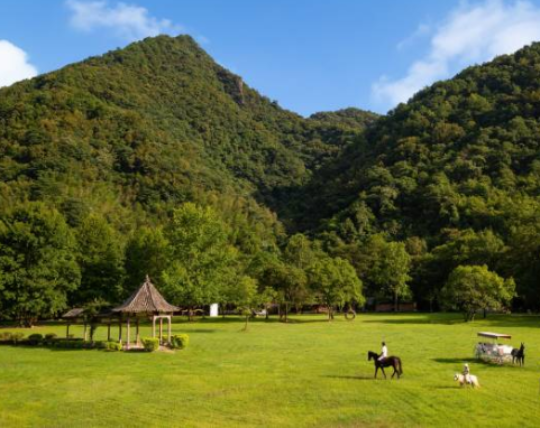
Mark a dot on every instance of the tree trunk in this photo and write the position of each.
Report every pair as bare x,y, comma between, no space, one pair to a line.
247,320
395,301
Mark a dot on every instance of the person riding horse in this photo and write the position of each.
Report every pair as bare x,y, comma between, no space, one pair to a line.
382,360
467,373
384,353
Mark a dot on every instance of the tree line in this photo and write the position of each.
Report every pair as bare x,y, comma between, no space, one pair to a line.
199,256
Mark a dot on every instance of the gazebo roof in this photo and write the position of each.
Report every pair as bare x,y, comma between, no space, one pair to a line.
146,300
74,313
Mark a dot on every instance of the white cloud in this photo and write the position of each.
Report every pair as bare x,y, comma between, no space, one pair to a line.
14,65
131,22
470,34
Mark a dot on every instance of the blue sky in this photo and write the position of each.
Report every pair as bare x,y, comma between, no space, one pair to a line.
309,55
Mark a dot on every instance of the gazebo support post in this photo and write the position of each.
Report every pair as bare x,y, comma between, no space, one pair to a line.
127,334
137,337
170,329
67,330
161,331
154,326
120,329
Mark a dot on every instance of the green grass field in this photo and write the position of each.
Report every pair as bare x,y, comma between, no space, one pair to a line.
309,373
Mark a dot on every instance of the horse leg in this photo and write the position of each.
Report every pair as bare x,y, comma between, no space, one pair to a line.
382,369
376,370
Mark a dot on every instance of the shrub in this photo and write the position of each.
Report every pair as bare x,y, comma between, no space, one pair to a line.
180,341
69,343
6,337
150,344
112,346
17,337
50,338
35,339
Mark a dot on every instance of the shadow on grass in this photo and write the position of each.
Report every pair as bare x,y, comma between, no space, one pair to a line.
454,387
230,319
200,330
458,360
471,361
350,377
492,320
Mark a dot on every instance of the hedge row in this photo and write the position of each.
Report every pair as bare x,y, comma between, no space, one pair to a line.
151,344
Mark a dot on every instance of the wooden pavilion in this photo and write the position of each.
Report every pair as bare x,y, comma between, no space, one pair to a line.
147,301
74,316
77,316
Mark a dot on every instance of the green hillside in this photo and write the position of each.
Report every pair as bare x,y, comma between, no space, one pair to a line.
455,173
101,161
156,122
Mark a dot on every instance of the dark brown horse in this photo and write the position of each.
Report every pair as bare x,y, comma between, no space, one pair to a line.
394,362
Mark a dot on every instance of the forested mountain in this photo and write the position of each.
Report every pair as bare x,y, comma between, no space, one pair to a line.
159,118
155,159
455,172
351,118
114,144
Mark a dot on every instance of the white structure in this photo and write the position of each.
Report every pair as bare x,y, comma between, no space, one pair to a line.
214,310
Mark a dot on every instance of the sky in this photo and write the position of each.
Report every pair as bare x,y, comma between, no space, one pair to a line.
309,55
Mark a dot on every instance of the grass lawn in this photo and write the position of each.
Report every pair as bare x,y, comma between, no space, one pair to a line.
309,373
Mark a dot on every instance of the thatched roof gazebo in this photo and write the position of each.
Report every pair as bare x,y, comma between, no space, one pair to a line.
146,301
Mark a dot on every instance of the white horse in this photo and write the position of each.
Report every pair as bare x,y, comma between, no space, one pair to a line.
462,379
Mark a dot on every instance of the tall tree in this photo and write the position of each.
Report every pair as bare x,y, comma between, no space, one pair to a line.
147,253
385,267
37,261
336,283
472,288
202,260
101,258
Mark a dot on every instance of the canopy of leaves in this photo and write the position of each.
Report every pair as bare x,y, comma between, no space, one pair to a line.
471,288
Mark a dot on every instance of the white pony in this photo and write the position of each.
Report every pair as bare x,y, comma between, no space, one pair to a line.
473,380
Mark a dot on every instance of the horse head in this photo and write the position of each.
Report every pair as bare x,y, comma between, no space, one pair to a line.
372,355
456,376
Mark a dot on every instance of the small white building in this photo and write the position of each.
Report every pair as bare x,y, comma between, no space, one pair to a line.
214,310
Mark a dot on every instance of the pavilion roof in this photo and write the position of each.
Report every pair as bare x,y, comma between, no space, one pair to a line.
74,313
147,299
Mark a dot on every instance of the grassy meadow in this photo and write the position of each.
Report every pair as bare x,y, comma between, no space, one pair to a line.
309,373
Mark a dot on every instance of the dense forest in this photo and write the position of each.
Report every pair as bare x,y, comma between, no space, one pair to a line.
154,159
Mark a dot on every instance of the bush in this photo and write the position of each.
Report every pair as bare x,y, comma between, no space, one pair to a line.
6,337
112,346
150,344
69,343
50,338
35,339
180,341
17,337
